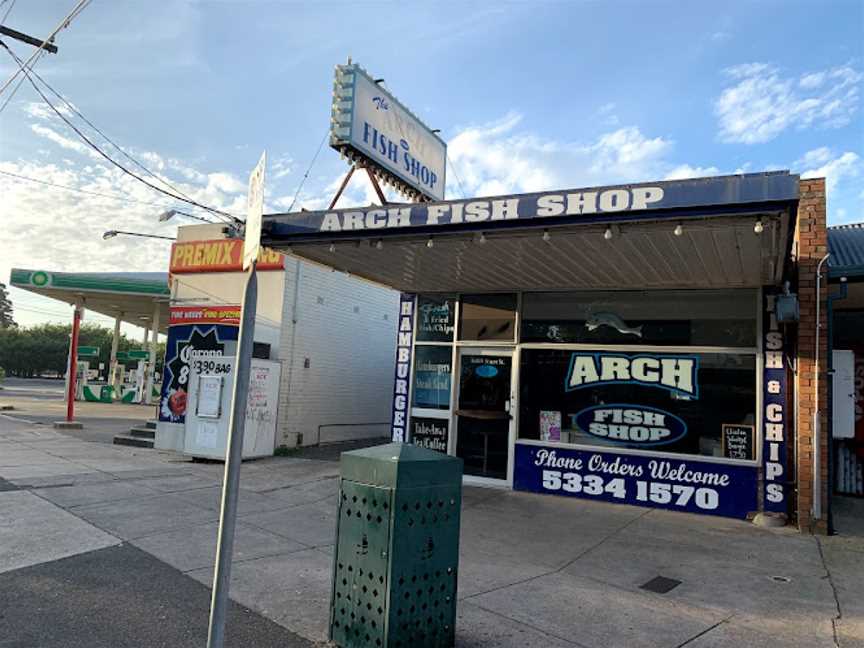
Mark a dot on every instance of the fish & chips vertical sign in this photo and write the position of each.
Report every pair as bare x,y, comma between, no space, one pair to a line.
774,416
369,125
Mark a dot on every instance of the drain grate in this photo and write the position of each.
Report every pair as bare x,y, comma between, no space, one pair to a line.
660,585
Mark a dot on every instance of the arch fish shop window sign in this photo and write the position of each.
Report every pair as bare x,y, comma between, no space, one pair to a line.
404,339
639,428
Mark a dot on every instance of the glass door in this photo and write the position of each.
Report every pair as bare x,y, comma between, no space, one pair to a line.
483,411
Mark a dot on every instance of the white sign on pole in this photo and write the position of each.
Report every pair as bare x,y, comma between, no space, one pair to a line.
254,210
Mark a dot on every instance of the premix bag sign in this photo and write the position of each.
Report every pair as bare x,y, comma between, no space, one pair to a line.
631,424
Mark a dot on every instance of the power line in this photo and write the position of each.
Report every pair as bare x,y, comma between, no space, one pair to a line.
102,153
83,191
112,143
8,11
456,175
18,85
63,24
306,175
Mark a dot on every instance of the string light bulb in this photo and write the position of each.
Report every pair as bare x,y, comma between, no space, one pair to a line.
482,239
758,227
332,248
546,236
430,243
608,234
678,231
379,245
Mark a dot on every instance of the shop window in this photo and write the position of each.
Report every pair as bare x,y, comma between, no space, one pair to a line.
725,318
433,369
436,317
687,403
487,317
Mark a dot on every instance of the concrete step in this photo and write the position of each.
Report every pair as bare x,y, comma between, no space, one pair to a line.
143,432
129,440
151,424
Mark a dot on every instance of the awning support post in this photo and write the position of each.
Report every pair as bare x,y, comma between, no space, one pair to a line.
112,363
73,363
151,361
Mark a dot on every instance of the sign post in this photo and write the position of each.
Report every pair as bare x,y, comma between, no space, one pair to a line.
237,422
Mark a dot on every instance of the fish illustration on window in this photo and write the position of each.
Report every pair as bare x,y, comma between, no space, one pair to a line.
596,320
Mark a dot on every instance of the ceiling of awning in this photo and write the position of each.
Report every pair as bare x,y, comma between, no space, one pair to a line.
711,252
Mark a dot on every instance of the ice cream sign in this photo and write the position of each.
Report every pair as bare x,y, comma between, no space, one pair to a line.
630,424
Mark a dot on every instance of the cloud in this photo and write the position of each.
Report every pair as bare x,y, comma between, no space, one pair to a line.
55,229
761,102
225,183
607,114
498,158
833,168
685,171
281,167
63,141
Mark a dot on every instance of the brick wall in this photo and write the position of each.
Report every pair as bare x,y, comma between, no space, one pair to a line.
811,240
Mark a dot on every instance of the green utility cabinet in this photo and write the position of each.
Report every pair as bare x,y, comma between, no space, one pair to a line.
397,548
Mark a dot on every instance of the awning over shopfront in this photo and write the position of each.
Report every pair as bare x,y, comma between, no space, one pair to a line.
846,265
132,297
731,231
846,245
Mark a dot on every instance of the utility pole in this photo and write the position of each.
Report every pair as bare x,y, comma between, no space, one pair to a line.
48,46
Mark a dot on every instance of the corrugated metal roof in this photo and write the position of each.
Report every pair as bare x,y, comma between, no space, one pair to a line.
846,245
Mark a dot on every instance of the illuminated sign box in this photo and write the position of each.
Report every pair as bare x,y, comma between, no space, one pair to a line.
368,123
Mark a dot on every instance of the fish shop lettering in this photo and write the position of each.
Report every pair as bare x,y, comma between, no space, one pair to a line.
774,413
630,424
404,341
504,209
678,374
694,486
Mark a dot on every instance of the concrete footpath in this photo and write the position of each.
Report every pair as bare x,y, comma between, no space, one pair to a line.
109,546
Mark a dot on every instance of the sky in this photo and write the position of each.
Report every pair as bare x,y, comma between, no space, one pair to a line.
529,96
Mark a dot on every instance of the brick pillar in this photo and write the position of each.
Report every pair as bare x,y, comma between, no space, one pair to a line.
811,239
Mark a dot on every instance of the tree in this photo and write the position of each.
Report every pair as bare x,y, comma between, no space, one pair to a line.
44,349
5,308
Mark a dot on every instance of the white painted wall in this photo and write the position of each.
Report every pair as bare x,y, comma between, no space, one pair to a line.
346,329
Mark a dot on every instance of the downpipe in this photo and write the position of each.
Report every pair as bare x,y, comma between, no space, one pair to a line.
817,432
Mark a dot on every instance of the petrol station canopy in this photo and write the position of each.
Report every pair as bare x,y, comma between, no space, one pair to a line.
721,232
131,296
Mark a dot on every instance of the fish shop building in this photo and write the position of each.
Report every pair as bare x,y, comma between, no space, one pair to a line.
656,344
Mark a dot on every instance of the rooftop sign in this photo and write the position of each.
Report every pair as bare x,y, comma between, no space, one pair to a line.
369,123
541,209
